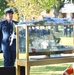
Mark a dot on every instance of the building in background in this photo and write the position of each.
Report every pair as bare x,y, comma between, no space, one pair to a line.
67,11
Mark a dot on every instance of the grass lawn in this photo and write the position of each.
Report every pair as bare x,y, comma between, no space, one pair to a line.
56,69
67,41
1,59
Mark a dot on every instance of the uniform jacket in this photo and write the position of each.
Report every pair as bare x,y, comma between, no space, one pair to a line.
6,30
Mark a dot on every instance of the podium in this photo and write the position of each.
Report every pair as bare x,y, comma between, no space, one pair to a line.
40,44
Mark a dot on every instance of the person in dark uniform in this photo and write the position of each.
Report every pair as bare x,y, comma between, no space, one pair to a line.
7,38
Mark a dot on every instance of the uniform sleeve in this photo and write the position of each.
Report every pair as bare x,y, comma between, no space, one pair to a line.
16,22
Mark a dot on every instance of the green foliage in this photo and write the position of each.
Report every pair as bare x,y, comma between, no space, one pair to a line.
60,4
48,4
32,7
3,5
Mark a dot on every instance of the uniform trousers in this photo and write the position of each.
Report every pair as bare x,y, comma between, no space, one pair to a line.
9,53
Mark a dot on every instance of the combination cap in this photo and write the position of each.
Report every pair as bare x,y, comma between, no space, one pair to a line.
9,10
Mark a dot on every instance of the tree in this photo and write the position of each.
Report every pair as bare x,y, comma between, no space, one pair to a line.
3,5
31,8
